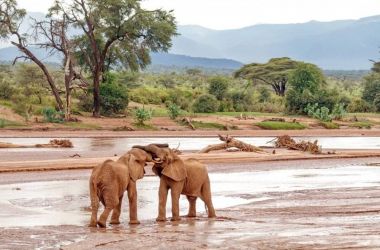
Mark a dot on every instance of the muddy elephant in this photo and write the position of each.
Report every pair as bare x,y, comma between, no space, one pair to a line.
187,177
110,180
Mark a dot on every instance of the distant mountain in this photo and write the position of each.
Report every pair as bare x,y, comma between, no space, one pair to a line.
347,44
336,45
158,59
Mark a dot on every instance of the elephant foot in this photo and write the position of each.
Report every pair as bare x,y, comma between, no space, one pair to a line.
102,224
92,224
160,219
115,222
175,219
191,215
134,222
212,215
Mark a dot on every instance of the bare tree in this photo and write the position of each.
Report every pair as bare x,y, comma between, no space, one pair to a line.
10,20
54,32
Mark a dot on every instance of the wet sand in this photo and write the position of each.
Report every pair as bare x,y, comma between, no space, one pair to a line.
314,204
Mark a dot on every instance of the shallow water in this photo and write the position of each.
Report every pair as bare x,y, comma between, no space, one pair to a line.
123,144
67,202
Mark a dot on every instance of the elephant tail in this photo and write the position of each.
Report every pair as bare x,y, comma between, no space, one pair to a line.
94,196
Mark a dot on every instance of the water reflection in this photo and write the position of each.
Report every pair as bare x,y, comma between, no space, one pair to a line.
119,145
67,202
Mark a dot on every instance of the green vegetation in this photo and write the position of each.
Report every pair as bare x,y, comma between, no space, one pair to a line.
174,111
6,123
269,125
142,115
80,125
52,116
361,125
329,125
205,104
208,125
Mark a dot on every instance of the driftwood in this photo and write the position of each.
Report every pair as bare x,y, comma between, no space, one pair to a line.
188,122
56,144
230,142
52,144
286,141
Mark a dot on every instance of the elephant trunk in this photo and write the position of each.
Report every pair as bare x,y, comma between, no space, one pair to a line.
155,150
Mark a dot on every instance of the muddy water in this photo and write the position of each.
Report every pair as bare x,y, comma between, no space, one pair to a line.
117,144
67,202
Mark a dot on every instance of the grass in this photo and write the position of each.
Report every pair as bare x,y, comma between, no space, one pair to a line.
6,123
144,126
361,125
80,125
208,125
329,125
280,125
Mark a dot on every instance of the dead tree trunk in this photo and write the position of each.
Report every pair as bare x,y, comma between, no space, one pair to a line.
230,142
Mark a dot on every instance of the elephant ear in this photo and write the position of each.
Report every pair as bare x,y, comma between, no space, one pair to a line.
136,168
175,170
157,170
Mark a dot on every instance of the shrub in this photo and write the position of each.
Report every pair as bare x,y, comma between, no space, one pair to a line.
86,102
359,106
52,116
6,90
339,111
264,94
174,111
322,114
206,104
142,115
361,125
113,98
376,102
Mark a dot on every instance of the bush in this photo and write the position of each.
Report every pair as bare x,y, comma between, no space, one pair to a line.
142,115
113,98
174,111
52,116
86,102
359,106
376,102
206,104
339,111
6,90
322,114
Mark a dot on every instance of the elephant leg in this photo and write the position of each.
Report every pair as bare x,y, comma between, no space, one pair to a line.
162,196
176,190
94,204
111,201
192,206
206,197
115,218
132,197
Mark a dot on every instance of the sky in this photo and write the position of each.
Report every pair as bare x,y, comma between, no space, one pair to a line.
232,14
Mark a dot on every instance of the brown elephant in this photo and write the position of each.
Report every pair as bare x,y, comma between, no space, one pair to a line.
187,177
108,183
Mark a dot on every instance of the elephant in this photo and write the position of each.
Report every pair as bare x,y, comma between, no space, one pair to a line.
188,177
108,182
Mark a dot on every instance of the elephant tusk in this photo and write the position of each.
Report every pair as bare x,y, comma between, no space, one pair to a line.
157,160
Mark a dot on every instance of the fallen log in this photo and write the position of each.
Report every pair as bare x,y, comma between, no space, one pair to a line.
56,144
286,141
230,142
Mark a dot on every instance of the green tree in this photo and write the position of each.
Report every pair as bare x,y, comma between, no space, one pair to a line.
274,73
206,104
218,87
116,32
113,97
371,87
306,83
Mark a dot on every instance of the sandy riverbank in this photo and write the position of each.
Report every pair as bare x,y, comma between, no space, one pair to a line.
198,133
343,214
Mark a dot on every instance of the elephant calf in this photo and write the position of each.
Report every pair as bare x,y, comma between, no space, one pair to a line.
188,177
108,182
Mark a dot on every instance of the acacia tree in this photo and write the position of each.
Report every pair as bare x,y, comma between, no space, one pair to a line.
11,18
274,73
117,33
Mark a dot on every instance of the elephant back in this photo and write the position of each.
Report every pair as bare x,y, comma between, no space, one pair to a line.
197,175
